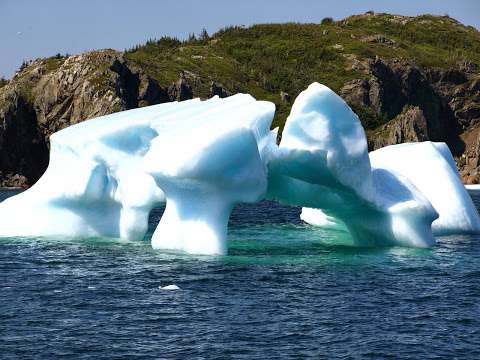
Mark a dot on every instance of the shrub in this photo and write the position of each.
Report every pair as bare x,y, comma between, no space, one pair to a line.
327,21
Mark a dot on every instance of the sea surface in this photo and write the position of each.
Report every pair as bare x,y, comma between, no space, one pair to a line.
285,291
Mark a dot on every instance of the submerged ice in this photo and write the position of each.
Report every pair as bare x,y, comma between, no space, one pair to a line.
203,157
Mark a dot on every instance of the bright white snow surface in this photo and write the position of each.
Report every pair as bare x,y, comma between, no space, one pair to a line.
203,157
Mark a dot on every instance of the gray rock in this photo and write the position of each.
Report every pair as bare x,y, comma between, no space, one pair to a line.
409,126
285,97
180,90
219,90
377,38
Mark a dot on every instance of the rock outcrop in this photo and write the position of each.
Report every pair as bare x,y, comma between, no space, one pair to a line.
413,104
51,94
396,85
285,97
377,38
180,90
423,104
219,90
409,126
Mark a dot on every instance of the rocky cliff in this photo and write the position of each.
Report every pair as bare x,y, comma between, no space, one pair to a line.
51,94
423,104
408,78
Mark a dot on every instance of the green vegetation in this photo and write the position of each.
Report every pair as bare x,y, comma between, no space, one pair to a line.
269,58
428,40
24,65
3,82
370,119
327,21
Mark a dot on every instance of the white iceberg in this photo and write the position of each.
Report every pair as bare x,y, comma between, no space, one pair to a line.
106,174
318,218
171,287
475,188
95,184
323,163
213,160
432,169
203,157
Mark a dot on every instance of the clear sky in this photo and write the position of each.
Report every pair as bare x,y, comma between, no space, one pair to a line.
38,28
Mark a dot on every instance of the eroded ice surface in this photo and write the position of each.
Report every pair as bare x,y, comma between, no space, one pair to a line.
432,169
95,184
215,159
106,174
323,163
203,157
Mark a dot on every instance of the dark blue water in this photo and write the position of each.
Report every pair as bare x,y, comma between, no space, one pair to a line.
286,291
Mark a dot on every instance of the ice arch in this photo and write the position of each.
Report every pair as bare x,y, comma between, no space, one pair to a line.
323,163
107,173
432,169
203,157
95,184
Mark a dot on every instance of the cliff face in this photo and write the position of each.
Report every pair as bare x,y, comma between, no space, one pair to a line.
423,104
51,94
408,78
23,150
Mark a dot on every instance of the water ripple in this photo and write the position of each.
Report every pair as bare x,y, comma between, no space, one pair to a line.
286,290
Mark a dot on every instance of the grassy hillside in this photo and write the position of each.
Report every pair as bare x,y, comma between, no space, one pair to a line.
267,61
269,58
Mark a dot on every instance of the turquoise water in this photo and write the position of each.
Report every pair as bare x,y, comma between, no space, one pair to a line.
286,290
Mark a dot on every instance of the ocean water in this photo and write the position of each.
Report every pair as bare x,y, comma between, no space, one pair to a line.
286,291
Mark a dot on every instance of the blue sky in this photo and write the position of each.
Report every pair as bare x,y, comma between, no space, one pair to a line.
38,28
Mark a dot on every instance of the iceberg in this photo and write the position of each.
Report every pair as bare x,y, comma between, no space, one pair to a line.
318,218
431,168
473,187
95,184
106,174
202,157
211,161
323,163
